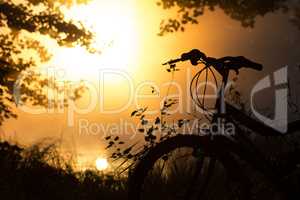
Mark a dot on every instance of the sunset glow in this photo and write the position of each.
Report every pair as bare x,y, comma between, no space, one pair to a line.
101,164
114,26
119,99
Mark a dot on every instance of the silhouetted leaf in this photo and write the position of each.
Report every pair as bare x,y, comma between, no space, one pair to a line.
126,151
134,113
180,123
110,145
157,120
129,156
144,122
142,130
150,130
153,90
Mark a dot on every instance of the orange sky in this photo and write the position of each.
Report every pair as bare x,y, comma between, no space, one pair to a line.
140,52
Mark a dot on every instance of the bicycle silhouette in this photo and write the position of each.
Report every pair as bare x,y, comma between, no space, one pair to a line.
213,166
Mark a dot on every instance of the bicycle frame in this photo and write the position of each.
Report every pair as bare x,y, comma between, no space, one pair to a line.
225,109
246,146
230,150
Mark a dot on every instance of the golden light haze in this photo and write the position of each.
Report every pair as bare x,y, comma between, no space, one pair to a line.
126,39
116,40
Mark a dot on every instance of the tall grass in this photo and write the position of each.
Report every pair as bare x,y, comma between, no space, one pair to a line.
39,172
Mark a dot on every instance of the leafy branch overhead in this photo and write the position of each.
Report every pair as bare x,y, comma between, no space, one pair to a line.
50,21
20,24
189,11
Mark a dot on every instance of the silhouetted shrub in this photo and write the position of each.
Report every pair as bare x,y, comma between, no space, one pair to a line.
38,172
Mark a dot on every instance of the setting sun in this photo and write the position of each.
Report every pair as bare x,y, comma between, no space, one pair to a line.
101,164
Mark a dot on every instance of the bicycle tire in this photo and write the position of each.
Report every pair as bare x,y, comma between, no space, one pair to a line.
211,147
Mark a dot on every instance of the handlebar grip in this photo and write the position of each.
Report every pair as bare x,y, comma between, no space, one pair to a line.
253,65
239,62
257,67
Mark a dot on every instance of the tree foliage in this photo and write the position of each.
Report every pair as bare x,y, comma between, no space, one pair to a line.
20,25
241,10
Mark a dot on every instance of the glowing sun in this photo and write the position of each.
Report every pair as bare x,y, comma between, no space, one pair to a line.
101,164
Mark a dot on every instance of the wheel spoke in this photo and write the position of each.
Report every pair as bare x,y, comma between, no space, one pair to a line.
173,171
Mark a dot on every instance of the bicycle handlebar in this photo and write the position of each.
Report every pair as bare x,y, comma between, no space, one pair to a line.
194,56
171,62
229,62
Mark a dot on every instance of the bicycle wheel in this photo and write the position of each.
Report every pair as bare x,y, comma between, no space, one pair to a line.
186,167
